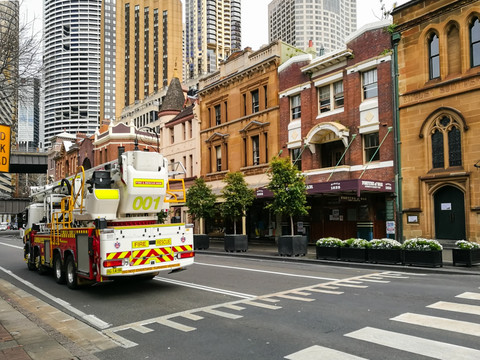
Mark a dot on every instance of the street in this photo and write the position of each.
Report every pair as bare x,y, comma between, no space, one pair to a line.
239,308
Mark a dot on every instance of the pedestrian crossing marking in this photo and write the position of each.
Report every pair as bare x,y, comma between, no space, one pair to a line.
222,314
456,307
317,352
415,345
333,292
469,295
290,297
462,327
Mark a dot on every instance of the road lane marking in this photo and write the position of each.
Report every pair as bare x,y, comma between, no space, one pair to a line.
262,305
456,307
319,352
223,314
290,297
92,319
14,246
333,292
469,296
206,288
415,345
352,285
463,327
267,272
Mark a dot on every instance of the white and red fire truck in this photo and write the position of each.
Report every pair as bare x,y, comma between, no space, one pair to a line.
102,224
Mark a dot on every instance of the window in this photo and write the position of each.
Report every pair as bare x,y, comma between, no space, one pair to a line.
296,157
255,103
218,157
244,104
369,79
218,115
475,42
330,94
370,145
331,153
446,143
296,106
434,57
172,136
256,150
265,88
324,98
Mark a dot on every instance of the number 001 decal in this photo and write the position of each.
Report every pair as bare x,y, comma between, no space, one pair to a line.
145,203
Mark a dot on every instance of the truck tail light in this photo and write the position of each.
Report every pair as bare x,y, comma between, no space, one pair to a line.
112,263
186,255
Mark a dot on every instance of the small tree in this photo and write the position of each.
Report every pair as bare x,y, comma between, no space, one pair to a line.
238,197
201,201
289,191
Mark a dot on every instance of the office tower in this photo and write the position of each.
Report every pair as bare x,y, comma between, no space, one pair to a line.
148,48
71,66
29,115
212,33
324,22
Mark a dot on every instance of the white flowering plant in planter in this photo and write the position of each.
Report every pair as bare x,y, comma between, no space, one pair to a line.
356,243
385,243
467,245
329,242
421,244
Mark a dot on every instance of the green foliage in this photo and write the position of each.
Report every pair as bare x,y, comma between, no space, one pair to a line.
201,200
289,191
356,243
237,195
391,28
329,242
420,244
389,244
162,216
467,245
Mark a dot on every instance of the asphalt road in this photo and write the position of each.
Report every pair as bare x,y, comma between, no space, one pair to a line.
237,308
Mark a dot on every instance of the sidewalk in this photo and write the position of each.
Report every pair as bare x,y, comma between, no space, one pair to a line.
23,336
268,250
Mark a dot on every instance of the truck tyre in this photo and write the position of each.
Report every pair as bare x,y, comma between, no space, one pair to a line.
58,271
71,273
30,260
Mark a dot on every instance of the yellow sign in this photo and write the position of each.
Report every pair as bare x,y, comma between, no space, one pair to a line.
140,244
4,148
148,183
163,242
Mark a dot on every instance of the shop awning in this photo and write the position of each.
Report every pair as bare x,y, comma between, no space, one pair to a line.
353,185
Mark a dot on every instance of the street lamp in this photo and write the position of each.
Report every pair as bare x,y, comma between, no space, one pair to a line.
150,129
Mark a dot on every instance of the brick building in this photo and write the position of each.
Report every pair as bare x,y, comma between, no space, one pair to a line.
336,124
438,45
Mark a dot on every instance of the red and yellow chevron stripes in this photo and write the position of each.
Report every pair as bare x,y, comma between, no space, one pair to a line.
146,256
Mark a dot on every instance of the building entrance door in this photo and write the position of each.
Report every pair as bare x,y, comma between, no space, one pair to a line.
449,205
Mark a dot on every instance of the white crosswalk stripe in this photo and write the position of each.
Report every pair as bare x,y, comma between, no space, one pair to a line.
469,295
456,307
321,353
416,345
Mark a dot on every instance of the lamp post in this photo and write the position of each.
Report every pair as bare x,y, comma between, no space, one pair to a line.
152,130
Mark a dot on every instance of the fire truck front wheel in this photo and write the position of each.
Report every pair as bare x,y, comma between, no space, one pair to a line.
71,273
58,270
37,260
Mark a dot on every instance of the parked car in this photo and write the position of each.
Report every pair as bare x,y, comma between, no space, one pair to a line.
4,226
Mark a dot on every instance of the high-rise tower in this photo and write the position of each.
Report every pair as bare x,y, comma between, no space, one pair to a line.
212,33
325,22
71,61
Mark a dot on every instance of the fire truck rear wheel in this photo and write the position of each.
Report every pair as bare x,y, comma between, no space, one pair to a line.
58,270
71,273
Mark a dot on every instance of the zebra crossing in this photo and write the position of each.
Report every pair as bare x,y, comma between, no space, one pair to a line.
410,343
231,310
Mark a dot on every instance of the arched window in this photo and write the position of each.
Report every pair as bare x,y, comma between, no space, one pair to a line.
434,56
446,143
475,42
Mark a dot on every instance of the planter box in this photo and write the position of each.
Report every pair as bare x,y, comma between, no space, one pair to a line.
328,253
466,257
353,254
385,256
423,258
235,243
292,245
201,241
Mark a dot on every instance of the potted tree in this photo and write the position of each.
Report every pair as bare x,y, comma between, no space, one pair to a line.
289,198
238,198
201,205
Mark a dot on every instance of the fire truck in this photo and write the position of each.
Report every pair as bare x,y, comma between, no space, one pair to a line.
102,224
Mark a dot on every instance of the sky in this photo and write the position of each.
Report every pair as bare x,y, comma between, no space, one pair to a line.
254,17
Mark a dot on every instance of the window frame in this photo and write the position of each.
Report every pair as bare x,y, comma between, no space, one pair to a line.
370,149
433,58
218,114
218,158
474,43
295,109
370,86
255,101
442,150
255,140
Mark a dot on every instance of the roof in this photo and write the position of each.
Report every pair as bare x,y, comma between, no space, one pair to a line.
175,99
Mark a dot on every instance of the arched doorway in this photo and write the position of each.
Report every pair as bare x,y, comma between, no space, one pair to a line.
449,205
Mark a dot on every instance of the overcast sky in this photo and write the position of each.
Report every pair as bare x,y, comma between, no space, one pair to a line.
255,17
